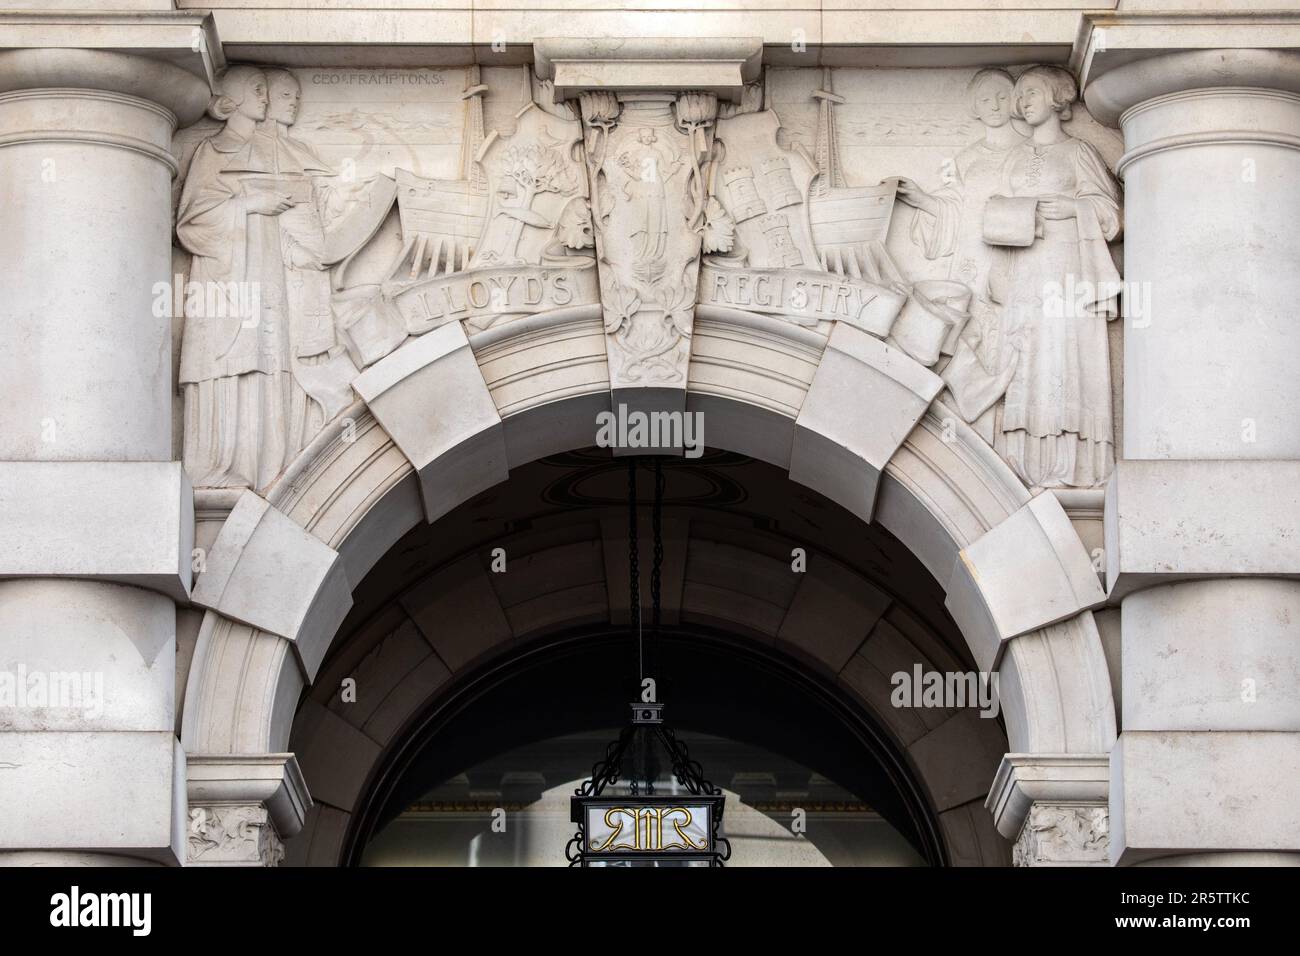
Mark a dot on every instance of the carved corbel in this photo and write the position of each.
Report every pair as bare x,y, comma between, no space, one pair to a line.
649,111
242,808
1055,807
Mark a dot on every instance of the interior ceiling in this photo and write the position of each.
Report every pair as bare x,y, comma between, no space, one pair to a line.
569,497
730,525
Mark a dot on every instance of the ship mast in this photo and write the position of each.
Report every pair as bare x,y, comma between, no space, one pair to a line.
827,151
470,169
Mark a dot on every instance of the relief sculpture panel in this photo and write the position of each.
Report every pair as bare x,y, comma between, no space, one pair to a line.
1025,222
649,156
336,226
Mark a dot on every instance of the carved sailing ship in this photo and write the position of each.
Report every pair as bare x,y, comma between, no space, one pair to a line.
442,219
849,223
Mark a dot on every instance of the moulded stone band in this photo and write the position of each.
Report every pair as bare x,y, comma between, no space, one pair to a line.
1223,138
116,140
1113,94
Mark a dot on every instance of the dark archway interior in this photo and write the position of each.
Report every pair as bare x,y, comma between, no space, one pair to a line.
755,656
711,683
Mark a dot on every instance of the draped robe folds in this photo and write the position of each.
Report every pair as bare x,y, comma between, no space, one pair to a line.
257,387
981,363
322,374
955,228
234,371
1054,299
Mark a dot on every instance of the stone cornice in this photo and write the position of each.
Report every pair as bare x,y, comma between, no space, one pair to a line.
797,33
272,780
1025,779
185,38
718,65
1123,59
183,93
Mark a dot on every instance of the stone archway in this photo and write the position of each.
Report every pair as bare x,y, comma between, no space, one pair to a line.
280,571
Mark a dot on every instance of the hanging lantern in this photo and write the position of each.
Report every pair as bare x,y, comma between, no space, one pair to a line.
642,827
621,819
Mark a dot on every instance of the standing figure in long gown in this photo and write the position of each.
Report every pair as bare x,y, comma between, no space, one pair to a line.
949,222
234,371
649,166
1056,295
322,373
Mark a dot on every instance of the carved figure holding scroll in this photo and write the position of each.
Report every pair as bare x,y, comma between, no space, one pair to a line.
1057,207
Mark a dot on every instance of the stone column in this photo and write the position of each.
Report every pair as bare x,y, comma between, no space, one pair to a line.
97,523
1203,512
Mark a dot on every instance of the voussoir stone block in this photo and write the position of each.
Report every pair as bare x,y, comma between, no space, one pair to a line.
1173,520
1026,572
129,522
865,399
267,572
431,398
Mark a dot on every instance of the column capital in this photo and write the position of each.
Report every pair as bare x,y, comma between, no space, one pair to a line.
1055,808
170,58
1024,781
1124,59
242,807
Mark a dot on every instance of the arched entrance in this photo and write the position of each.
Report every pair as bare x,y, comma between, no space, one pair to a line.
952,508
444,611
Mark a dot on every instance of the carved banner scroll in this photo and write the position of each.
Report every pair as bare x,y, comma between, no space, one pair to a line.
775,264
527,257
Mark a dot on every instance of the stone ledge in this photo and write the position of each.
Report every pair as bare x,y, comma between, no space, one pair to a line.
640,64
170,57
114,521
1026,572
267,572
1125,58
1025,779
270,780
1169,521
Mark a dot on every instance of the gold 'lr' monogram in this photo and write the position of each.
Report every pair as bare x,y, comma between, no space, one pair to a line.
647,826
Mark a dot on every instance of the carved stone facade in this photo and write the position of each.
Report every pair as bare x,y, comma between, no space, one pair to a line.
1022,297
645,203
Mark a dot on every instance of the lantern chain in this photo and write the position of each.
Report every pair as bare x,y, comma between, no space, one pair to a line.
656,571
634,567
